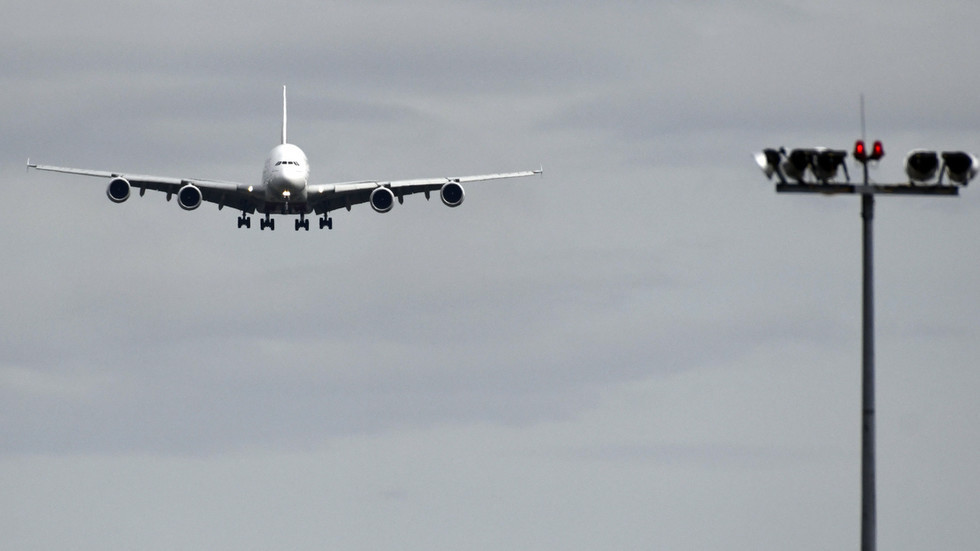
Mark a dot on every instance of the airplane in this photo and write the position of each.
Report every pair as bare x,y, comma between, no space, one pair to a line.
285,188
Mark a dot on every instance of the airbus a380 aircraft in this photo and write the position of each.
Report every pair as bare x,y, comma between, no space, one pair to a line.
285,188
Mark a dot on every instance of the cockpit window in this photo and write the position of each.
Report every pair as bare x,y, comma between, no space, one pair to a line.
287,163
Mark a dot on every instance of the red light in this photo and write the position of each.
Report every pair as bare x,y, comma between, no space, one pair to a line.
877,151
860,153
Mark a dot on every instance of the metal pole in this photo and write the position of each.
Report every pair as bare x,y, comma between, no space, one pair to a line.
771,160
868,509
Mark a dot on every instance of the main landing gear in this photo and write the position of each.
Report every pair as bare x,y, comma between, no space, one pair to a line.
267,222
301,223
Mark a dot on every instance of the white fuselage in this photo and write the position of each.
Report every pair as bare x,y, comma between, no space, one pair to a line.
286,174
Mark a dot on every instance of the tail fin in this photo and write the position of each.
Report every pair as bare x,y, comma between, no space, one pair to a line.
283,113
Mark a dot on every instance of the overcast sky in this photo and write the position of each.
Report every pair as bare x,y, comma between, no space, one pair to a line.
647,348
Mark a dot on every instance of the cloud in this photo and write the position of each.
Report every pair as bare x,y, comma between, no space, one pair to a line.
646,347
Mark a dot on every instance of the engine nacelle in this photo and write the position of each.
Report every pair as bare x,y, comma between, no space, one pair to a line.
452,194
189,197
117,190
382,199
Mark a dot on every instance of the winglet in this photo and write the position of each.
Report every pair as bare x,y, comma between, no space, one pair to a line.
283,113
29,165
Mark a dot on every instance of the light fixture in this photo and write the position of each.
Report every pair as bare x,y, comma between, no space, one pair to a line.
826,163
768,160
797,162
960,166
921,165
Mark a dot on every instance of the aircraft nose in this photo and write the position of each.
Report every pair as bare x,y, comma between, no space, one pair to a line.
291,179
295,178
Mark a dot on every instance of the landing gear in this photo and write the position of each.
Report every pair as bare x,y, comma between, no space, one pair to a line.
267,222
302,222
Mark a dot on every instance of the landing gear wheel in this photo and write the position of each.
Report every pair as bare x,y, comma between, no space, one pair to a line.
244,221
302,223
267,223
326,221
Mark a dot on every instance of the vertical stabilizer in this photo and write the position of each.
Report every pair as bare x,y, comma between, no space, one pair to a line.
283,113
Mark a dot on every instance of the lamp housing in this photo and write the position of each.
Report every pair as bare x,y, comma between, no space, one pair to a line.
961,167
826,163
921,165
797,163
768,161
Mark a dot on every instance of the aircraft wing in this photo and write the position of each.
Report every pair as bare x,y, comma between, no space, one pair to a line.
223,194
328,197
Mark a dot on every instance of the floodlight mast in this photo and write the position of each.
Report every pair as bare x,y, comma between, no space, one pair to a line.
869,507
959,166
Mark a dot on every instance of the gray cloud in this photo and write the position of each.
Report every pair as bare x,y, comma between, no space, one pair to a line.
647,347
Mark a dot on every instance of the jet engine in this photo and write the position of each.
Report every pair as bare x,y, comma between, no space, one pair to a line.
189,197
117,190
452,194
382,199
